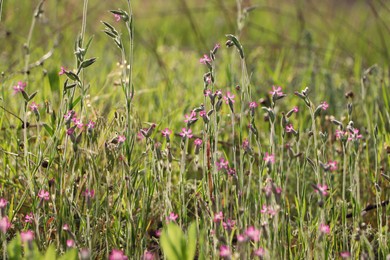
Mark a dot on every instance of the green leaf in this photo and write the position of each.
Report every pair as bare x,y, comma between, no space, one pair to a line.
87,63
70,255
25,95
74,103
14,249
170,241
32,95
191,241
50,253
54,80
72,76
48,129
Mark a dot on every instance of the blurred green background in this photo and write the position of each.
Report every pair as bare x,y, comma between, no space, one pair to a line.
293,43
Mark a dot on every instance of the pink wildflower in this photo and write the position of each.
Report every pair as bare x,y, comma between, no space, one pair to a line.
65,227
29,218
44,195
190,117
222,164
322,189
68,116
295,109
253,105
229,97
89,193
259,252
148,256
34,107
78,123
4,225
218,217
27,236
166,132
19,87
277,91
117,17
345,254
269,158
186,133
290,128
224,251
3,203
332,165
324,105
62,71
205,59
241,238
91,125
229,224
172,216
121,139
253,233
324,228
117,255
70,243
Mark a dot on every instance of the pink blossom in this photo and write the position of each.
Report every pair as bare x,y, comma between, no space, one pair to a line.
290,128
218,217
78,123
29,218
117,17
19,87
253,233
117,255
332,165
277,91
198,142
340,134
70,243
4,224
121,139
44,195
62,71
269,158
241,238
324,228
91,125
27,236
34,107
3,203
202,113
345,254
264,209
222,164
190,117
229,224
66,227
295,109
89,193
68,116
207,93
259,252
172,216
253,105
148,256
324,105
205,59
186,133
229,96
70,131
166,132
322,189
224,251
231,171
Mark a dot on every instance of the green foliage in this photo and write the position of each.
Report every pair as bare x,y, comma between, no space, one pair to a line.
176,245
17,251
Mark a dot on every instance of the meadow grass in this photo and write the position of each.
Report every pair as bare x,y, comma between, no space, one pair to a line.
194,129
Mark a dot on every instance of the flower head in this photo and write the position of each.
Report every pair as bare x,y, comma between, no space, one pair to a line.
148,256
290,128
70,243
259,252
229,224
205,59
117,17
27,236
19,87
332,165
198,142
117,255
322,189
218,217
166,132
253,104
29,218
3,203
121,139
91,125
276,91
229,98
44,195
4,225
62,71
324,105
89,193
324,228
34,107
172,216
224,251
253,233
269,158
345,254
186,133
222,164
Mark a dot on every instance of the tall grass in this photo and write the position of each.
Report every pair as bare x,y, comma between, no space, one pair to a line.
219,155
